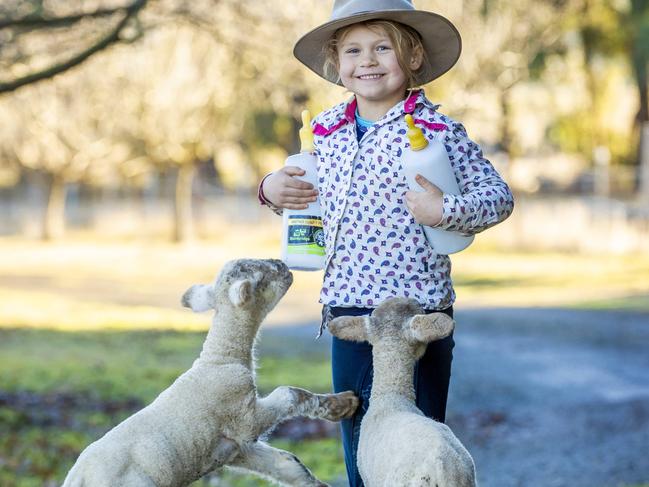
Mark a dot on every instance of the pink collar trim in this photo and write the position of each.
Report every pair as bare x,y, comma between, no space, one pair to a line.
350,113
411,102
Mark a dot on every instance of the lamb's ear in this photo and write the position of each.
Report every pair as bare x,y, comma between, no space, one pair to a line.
240,292
349,327
199,298
430,327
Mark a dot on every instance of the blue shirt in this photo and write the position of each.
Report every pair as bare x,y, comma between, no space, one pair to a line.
362,125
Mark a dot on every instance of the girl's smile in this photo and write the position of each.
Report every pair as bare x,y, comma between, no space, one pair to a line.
368,67
370,77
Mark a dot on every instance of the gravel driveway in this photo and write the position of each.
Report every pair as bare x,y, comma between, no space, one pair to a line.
550,398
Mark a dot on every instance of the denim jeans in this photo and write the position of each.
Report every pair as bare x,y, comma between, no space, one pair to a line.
351,364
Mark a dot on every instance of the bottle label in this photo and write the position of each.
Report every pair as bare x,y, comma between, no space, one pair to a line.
305,235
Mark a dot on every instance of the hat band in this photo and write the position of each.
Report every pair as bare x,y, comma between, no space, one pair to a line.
349,8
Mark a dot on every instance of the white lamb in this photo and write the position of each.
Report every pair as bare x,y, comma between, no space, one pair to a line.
398,445
211,416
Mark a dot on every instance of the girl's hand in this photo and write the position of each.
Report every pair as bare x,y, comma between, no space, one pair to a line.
426,207
284,191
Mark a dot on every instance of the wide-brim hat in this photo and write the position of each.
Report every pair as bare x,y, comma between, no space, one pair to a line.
441,40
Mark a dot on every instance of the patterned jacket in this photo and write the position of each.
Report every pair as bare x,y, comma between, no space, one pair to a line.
374,247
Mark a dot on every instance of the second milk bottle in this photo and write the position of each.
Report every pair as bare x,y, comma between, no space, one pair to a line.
431,161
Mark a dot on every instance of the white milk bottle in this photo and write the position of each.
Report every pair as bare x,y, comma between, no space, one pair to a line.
303,243
431,161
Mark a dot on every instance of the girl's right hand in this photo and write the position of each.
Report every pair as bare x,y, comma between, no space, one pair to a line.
285,191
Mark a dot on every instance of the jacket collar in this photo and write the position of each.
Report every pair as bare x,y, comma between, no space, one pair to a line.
346,114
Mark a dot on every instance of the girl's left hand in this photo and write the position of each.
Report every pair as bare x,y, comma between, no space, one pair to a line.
426,207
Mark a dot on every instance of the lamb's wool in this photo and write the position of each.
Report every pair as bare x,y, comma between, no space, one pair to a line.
211,416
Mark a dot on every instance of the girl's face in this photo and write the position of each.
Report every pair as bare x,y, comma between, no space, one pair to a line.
369,68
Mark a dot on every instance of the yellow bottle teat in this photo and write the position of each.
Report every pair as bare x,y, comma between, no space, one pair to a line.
306,133
415,135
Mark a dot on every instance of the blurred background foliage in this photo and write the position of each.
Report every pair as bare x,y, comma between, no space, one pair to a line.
128,126
143,97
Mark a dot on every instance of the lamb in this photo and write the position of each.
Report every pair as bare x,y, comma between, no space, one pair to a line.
211,416
398,445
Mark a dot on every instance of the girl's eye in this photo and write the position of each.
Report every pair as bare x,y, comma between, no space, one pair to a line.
383,48
352,50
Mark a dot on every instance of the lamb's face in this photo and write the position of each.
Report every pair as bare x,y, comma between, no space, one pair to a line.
389,325
255,283
252,284
396,320
390,318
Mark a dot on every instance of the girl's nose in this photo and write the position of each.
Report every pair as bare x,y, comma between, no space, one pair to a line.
368,59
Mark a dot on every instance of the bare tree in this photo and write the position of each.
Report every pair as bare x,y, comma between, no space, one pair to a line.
506,44
40,40
185,93
56,131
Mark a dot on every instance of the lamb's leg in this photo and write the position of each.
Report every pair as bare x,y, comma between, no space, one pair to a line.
139,480
278,465
287,402
225,452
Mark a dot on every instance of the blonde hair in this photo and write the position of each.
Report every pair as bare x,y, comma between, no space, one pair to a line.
405,41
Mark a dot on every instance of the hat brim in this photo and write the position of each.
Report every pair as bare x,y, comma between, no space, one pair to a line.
441,41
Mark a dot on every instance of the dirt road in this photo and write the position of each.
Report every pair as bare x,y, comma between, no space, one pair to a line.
552,397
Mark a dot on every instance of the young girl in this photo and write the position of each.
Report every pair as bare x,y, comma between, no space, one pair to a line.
375,247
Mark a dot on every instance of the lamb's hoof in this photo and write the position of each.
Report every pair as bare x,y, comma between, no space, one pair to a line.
340,406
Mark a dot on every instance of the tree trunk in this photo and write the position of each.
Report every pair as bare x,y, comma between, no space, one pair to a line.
184,221
643,140
643,164
505,139
53,223
639,62
505,131
643,112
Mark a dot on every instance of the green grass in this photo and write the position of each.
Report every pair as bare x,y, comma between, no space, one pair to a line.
139,364
564,280
629,303
107,364
127,369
